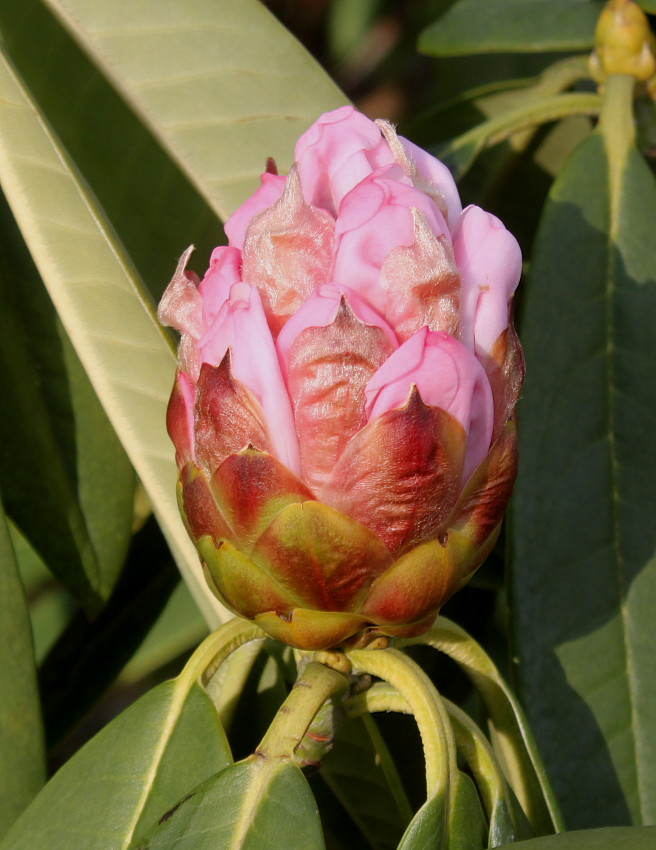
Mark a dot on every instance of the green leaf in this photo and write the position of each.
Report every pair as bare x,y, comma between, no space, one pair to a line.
427,830
467,825
50,605
619,838
506,820
57,448
584,574
21,733
356,772
492,26
257,804
179,628
221,85
103,305
647,5
88,656
466,829
149,201
127,777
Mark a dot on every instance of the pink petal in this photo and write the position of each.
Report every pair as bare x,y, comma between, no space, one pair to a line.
320,310
438,177
447,376
242,326
287,253
490,264
270,190
181,304
374,218
327,363
338,151
223,272
422,284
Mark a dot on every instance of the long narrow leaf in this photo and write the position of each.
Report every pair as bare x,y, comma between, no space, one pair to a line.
482,26
57,448
152,206
220,83
109,319
21,734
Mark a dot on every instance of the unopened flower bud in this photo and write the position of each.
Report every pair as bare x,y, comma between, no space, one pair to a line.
343,414
624,43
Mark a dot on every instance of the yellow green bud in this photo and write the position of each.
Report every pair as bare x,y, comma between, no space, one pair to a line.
624,43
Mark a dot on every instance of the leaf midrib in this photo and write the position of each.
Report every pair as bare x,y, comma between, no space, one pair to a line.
617,162
181,690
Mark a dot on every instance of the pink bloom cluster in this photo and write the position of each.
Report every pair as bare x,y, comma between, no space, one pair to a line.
354,292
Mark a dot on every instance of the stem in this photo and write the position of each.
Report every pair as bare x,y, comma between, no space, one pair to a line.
517,750
425,703
315,685
226,685
379,697
618,130
479,755
563,74
470,740
548,109
213,651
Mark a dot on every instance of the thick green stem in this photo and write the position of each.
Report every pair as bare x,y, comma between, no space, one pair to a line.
213,651
426,705
315,685
225,687
617,126
514,742
470,740
538,112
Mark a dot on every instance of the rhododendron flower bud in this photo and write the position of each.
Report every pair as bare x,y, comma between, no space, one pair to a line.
343,414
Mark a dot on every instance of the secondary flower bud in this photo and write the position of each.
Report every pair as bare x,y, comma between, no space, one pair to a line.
343,411
624,43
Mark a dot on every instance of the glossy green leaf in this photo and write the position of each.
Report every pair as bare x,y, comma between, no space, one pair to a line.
221,85
127,777
357,771
57,447
617,838
21,735
488,26
106,312
584,575
257,804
